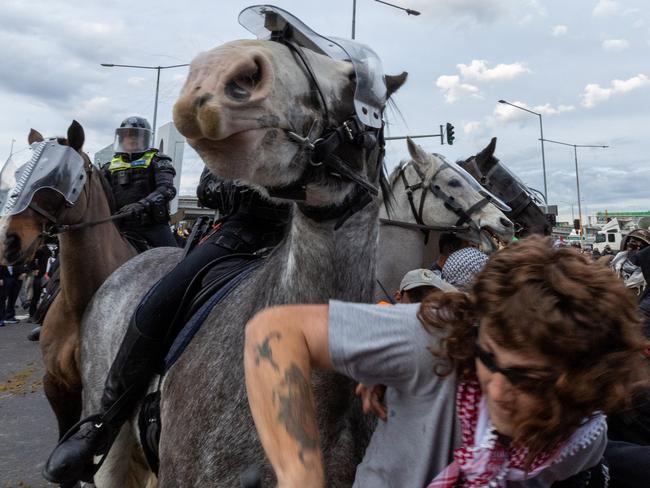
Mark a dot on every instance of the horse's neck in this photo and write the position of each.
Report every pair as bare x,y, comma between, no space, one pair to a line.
400,250
322,263
89,255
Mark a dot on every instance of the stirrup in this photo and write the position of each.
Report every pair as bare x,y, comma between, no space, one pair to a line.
89,473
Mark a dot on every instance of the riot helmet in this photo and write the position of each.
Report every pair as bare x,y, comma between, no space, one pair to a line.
636,239
133,136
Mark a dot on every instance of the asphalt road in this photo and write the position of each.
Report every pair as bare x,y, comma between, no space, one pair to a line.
27,426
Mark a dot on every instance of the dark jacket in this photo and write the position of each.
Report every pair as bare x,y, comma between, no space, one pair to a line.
642,259
147,178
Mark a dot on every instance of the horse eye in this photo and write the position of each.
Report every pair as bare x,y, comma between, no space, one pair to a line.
353,77
454,182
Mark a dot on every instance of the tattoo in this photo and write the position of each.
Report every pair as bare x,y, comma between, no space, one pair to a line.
294,404
264,350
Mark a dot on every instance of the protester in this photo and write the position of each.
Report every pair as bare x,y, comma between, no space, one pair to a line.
462,266
418,283
12,279
447,245
525,364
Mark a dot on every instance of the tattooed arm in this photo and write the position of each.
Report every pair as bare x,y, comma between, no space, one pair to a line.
282,345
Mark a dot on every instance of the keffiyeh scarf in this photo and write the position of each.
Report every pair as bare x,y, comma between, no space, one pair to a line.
484,460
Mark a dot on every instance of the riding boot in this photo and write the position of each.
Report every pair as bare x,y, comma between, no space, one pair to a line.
136,362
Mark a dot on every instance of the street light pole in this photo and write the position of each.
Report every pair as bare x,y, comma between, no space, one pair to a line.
157,68
575,156
541,131
354,12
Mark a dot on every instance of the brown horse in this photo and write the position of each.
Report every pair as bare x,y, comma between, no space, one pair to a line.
88,255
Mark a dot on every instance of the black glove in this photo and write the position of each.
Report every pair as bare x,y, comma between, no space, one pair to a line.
133,209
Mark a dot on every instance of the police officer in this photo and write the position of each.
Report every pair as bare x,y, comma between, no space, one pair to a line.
142,180
249,223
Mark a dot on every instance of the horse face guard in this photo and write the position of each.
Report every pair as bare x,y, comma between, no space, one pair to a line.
50,182
518,196
364,129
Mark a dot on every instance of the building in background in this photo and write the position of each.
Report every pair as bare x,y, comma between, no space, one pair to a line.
103,156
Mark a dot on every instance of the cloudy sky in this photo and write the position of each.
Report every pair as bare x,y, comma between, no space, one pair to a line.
583,64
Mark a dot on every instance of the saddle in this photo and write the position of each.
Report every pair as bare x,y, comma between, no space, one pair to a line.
210,286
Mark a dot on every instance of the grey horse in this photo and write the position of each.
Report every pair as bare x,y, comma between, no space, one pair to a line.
249,109
402,242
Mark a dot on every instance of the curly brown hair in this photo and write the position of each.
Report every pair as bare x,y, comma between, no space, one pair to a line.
557,303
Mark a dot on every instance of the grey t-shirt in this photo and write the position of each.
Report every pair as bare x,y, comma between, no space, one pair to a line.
388,345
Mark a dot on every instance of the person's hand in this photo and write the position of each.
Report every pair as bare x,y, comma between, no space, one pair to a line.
21,276
372,400
134,209
35,272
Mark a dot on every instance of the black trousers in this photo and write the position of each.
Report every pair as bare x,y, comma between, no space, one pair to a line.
155,313
12,289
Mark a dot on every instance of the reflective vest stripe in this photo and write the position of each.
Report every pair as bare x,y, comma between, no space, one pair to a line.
119,164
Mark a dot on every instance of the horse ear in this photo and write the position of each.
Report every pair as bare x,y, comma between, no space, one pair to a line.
34,136
486,157
76,136
417,153
394,82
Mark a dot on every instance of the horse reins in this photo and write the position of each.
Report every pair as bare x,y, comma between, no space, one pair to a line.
323,162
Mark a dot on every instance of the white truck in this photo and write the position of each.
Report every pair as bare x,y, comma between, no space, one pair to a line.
610,235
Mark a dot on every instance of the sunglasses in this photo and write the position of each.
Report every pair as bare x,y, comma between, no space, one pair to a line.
520,378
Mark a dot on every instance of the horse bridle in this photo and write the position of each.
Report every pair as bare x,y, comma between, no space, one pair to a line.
464,216
324,163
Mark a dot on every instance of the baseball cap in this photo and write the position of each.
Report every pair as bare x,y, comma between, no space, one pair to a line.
424,277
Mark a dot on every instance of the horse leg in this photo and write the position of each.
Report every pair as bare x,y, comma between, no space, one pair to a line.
65,402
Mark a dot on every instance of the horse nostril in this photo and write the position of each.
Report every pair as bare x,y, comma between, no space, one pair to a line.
505,222
243,83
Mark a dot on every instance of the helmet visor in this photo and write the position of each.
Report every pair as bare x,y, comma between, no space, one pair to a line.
132,140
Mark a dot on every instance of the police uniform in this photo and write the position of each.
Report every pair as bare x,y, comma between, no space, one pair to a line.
148,179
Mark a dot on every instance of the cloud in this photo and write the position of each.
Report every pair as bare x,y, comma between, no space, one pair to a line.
478,71
481,11
135,80
606,8
559,30
454,89
615,45
595,94
471,127
507,113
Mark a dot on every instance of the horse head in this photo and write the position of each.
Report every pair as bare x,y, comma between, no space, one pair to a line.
43,203
498,179
284,116
456,202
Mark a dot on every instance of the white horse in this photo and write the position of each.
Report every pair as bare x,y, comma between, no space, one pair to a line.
430,196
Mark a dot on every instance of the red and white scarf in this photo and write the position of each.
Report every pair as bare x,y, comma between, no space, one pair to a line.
484,460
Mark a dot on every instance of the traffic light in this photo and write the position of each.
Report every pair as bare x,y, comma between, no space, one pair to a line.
450,134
